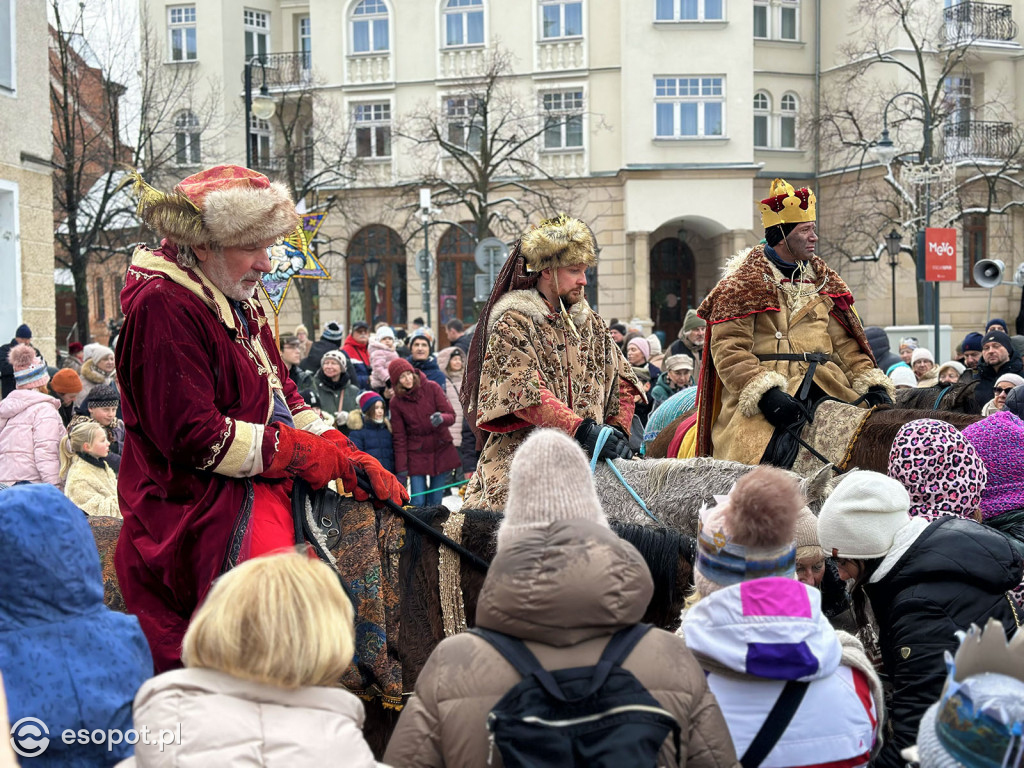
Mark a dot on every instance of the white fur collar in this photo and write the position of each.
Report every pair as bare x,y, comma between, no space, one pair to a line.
530,303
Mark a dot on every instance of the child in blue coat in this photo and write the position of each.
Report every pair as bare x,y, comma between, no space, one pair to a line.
370,429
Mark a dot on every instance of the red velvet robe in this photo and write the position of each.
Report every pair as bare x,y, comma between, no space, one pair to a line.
195,394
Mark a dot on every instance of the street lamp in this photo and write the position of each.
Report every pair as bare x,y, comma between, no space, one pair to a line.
425,217
892,245
886,151
261,106
371,268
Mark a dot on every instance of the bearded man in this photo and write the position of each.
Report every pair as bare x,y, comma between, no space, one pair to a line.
215,429
782,334
541,357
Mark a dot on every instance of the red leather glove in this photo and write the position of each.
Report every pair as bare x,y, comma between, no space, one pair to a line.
385,485
314,459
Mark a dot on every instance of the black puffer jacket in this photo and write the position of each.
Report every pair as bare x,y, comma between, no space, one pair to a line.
955,573
885,358
987,375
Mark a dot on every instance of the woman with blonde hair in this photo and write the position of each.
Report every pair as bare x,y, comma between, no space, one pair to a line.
89,481
263,657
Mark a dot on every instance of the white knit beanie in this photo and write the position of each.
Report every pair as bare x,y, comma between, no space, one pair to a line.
550,480
863,515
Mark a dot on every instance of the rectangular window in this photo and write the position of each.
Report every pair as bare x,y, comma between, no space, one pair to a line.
777,19
187,149
689,107
787,132
464,123
306,42
561,19
463,26
257,33
975,234
118,286
181,24
788,21
259,141
101,300
760,130
563,120
761,21
373,129
688,10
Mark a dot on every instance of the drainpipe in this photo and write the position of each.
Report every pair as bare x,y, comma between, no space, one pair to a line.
817,100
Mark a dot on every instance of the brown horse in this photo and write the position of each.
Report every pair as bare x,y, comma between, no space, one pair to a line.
957,398
435,592
870,446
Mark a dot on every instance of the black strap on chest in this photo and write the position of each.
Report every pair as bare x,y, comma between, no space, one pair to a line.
814,358
778,720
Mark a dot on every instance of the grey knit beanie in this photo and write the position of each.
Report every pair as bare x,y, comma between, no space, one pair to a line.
550,480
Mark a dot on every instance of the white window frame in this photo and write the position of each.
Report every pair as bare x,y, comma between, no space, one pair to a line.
773,11
671,87
560,5
308,149
464,117
369,20
575,110
764,113
187,139
677,11
464,9
787,113
9,48
372,116
10,246
182,27
258,31
263,151
305,42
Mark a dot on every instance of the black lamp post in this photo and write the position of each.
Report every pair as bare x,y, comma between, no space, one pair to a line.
371,268
262,106
892,245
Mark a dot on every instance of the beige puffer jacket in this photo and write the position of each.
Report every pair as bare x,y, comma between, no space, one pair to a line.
227,722
564,588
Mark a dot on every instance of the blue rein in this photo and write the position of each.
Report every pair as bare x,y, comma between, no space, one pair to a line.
602,438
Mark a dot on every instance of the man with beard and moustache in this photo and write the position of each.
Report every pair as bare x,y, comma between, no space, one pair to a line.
216,431
782,334
541,357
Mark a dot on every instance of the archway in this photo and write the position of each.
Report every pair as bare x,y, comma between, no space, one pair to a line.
673,285
376,276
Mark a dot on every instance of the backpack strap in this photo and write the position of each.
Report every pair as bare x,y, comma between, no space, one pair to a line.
519,656
778,720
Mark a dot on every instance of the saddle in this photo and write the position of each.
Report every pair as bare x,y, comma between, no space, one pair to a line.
826,435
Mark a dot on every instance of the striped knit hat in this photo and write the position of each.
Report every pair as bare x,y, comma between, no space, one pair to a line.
29,369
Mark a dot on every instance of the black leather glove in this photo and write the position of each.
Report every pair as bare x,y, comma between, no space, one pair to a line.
780,408
877,396
616,447
436,420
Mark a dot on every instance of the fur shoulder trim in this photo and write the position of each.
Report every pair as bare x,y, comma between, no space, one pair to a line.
751,394
355,419
735,261
873,377
529,303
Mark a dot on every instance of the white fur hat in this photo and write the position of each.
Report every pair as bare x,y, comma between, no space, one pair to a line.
921,354
861,518
902,376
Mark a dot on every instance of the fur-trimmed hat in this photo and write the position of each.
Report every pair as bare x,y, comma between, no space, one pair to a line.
751,533
29,368
103,396
558,242
537,496
226,205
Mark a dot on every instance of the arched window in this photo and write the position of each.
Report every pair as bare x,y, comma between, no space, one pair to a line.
370,27
762,119
187,150
673,284
376,276
456,276
463,22
787,121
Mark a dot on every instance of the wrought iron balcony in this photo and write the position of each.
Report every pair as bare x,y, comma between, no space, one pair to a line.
285,70
977,22
976,139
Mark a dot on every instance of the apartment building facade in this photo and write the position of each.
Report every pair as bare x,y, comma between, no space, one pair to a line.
26,191
668,119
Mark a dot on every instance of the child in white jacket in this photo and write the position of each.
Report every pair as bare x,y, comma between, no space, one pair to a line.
89,481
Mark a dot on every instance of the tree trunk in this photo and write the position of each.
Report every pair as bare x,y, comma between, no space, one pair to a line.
307,294
78,272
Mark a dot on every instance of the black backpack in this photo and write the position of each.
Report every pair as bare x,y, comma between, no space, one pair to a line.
599,716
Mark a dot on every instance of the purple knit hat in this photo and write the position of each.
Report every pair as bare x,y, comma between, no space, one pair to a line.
939,468
999,440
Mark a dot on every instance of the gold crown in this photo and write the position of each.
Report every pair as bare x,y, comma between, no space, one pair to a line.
785,205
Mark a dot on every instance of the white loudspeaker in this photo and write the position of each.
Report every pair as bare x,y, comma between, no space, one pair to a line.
988,273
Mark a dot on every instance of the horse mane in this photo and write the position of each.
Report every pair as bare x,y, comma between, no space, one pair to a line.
871,451
662,549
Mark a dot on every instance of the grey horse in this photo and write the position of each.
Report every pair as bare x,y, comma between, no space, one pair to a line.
675,489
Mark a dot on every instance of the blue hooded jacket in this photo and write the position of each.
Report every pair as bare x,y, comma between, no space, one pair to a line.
66,658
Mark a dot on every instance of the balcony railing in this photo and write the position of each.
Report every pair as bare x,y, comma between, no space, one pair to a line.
975,139
970,21
285,69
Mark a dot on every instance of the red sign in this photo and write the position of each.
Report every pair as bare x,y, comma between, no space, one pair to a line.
939,254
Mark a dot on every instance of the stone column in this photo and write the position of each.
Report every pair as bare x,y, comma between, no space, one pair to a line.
641,265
